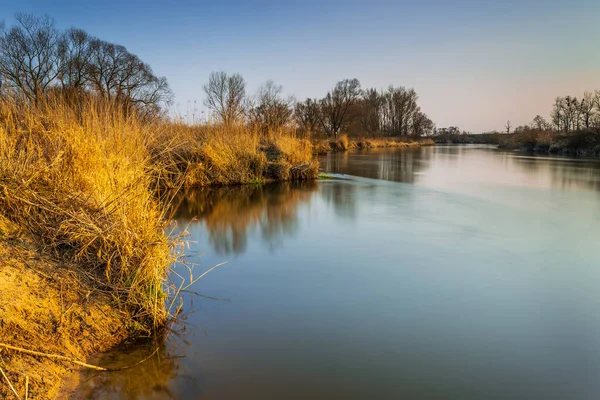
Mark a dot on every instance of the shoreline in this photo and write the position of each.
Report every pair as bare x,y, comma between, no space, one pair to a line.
81,321
84,245
343,143
50,307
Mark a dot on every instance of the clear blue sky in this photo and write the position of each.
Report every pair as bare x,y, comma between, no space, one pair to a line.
474,64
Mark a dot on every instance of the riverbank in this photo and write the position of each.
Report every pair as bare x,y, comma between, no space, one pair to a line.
584,143
343,143
49,307
84,245
218,155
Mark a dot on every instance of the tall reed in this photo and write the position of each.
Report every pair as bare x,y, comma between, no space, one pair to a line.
80,181
87,180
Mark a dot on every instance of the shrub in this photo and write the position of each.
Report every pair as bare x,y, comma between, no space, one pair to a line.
341,143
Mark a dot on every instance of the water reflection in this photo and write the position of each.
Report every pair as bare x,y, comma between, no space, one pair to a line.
473,278
400,165
231,214
453,166
341,196
151,379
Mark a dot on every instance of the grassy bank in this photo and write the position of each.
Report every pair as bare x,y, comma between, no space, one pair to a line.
584,143
343,143
83,212
217,155
48,306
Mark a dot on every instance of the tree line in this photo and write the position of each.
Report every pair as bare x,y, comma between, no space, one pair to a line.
346,108
569,114
37,58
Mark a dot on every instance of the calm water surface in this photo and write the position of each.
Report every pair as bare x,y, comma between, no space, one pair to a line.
444,272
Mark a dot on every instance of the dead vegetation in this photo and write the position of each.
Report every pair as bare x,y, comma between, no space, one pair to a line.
49,307
84,183
206,155
343,143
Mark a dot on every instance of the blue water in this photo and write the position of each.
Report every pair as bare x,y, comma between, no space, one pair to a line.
444,272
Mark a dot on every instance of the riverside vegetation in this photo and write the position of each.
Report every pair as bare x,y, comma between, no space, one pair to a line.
83,197
574,129
89,163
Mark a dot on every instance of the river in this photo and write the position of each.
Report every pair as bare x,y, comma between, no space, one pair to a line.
447,272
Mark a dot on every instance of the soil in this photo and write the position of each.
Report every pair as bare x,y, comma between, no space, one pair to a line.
47,306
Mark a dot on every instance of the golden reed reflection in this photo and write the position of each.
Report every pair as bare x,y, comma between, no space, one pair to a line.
230,213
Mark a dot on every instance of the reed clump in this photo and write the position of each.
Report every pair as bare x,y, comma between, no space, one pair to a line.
343,143
80,180
218,154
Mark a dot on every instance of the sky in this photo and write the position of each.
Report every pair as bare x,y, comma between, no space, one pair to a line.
474,64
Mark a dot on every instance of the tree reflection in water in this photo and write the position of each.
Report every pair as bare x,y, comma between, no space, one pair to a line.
230,214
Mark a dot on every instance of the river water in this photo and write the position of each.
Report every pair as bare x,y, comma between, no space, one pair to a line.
447,272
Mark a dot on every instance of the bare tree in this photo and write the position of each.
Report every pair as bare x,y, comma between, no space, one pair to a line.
540,123
508,126
400,106
308,116
422,125
75,56
225,96
29,57
272,111
117,75
336,104
586,108
556,114
370,111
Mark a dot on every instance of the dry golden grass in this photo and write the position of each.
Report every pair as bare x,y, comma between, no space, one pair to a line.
85,181
85,185
427,142
224,155
343,143
44,306
321,146
80,182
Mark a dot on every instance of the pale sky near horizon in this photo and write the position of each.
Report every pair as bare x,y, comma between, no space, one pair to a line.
474,64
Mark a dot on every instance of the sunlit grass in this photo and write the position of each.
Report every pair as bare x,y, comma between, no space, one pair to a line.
86,182
80,181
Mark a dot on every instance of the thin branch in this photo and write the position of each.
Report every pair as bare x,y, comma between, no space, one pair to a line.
80,363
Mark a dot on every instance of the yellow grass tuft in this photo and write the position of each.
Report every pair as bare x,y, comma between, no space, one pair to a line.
236,154
80,181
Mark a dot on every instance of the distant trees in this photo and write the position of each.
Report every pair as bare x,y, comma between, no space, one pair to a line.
347,108
272,111
36,58
336,104
572,114
541,124
308,115
393,112
226,96
29,55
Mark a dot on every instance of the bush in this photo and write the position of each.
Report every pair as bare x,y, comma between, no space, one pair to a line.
340,144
